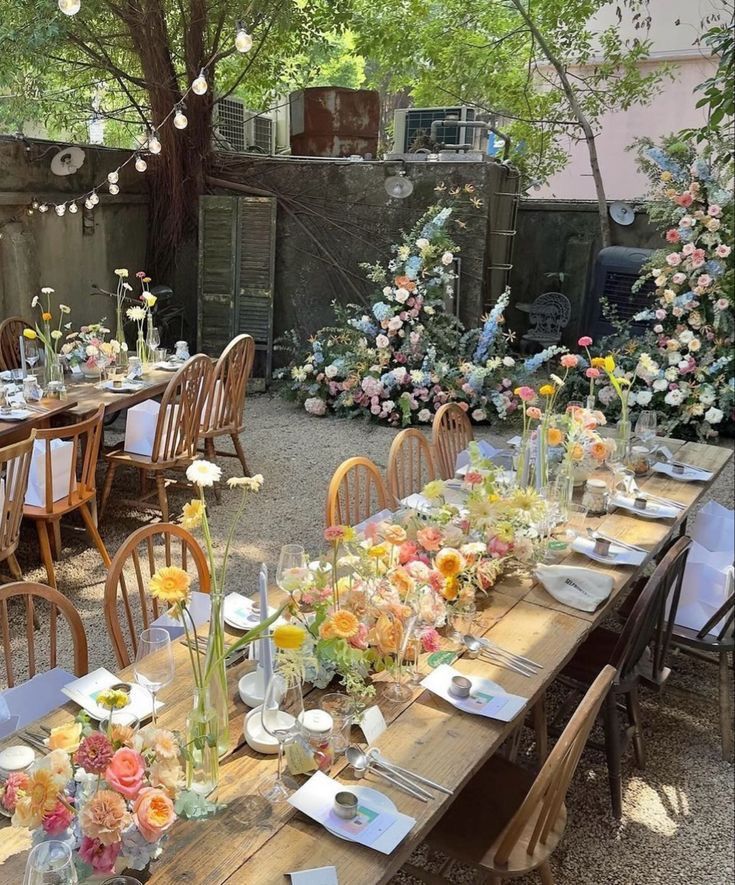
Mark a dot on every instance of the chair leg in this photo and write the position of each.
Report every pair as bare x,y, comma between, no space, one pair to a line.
55,539
210,454
540,729
545,872
162,496
107,487
15,569
45,545
240,453
95,535
612,749
634,714
726,689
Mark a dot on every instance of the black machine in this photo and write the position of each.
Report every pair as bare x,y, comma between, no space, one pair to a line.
616,270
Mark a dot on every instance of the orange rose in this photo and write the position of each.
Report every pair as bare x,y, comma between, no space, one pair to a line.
386,635
394,534
126,772
153,813
402,581
430,538
555,437
577,452
405,283
598,451
65,737
449,562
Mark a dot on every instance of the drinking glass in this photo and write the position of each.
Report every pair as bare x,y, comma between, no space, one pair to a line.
154,662
291,565
575,524
155,338
504,471
50,863
462,620
645,426
279,713
397,689
32,353
341,708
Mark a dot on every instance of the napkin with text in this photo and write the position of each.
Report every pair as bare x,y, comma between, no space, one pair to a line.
580,588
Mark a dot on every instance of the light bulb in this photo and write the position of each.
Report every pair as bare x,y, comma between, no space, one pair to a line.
93,198
30,210
73,208
112,177
70,7
114,189
180,121
200,85
154,145
60,209
43,208
35,204
243,40
140,164
88,204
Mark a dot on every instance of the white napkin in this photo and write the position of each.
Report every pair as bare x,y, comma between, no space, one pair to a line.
486,449
690,474
652,510
579,588
619,555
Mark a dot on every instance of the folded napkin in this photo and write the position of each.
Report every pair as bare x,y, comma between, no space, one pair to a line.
619,555
690,474
579,588
652,510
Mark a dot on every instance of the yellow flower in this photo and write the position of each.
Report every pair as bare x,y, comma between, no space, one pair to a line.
546,390
402,581
38,799
433,489
378,551
577,452
30,334
288,636
342,624
666,175
449,562
528,501
450,590
504,531
386,634
192,514
598,362
171,584
65,737
555,436
609,364
46,316
113,699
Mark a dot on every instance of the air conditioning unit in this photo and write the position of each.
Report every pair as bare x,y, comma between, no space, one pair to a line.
240,130
617,269
410,124
260,132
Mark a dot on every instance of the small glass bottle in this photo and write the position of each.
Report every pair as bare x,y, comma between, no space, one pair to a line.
317,726
595,497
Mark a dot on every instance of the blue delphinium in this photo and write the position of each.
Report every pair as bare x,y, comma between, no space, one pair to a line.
666,163
364,325
436,223
382,311
413,266
490,328
533,363
388,380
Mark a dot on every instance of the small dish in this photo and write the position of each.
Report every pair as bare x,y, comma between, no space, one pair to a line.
368,796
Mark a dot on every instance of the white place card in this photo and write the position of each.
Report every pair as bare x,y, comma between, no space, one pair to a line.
84,691
317,876
372,723
374,827
486,698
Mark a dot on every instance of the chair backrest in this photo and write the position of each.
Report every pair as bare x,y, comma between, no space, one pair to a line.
549,314
224,407
356,492
410,463
85,438
180,415
651,620
451,433
129,606
15,461
10,331
535,818
45,604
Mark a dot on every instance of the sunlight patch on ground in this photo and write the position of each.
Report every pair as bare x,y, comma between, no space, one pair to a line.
656,809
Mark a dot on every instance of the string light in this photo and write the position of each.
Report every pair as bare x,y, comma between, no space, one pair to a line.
113,177
140,164
243,40
200,85
154,143
93,198
70,7
43,208
180,120
88,204
60,209
114,189
73,208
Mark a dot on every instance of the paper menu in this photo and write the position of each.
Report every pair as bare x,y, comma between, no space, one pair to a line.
317,876
375,827
84,691
487,698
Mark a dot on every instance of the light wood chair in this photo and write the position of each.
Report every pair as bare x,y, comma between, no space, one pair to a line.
650,623
129,607
85,437
507,822
410,463
34,609
10,331
225,406
175,440
451,433
356,492
15,462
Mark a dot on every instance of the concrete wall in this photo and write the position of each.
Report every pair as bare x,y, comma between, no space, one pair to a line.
45,250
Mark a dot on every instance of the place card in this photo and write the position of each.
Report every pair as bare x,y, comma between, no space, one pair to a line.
372,723
486,697
86,690
317,876
374,826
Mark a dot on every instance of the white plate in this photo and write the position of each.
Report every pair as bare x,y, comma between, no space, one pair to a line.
652,510
16,415
125,387
369,796
169,367
81,691
690,474
619,555
238,612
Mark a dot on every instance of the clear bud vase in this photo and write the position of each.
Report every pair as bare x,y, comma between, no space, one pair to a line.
591,403
215,672
202,756
141,349
523,463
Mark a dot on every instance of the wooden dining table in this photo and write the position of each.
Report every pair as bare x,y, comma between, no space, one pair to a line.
249,842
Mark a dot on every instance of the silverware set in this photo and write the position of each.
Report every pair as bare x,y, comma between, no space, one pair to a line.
489,651
35,739
595,535
409,781
200,646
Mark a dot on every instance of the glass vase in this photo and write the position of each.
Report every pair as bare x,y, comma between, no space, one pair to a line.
523,463
215,673
564,482
141,349
202,756
591,403
541,462
622,440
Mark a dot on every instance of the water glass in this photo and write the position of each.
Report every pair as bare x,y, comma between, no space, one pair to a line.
279,712
291,564
462,619
154,662
575,524
341,708
645,426
50,863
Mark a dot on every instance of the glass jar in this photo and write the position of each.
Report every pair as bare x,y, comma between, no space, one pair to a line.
639,460
595,497
182,351
317,726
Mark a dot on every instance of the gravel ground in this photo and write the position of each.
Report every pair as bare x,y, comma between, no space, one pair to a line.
678,814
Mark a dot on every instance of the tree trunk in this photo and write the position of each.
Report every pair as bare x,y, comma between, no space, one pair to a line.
589,135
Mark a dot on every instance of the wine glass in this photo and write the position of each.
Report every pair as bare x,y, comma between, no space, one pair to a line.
154,662
155,339
279,713
291,566
33,355
50,863
645,427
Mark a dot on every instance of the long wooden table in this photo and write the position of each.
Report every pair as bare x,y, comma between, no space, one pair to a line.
250,844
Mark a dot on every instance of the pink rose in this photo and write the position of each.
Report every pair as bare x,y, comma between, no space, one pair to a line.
592,372
430,640
688,248
714,211
722,251
585,341
153,813
382,341
126,772
660,314
672,236
679,278
360,639
673,259
407,551
100,857
58,820
721,304
704,281
685,199
698,257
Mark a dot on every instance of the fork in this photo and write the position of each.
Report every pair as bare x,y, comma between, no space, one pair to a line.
34,741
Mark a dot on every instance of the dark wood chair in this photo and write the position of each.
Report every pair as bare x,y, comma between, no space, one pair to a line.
451,433
506,821
649,624
715,647
129,607
15,462
410,463
11,330
356,492
35,595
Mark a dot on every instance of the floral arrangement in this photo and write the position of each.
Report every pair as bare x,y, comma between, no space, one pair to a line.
89,349
407,356
45,331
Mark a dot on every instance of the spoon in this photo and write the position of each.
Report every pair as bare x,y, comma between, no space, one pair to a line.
499,657
378,757
362,764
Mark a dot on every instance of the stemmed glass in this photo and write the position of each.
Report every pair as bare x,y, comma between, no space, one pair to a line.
32,354
645,427
155,339
154,662
279,713
50,863
291,565
397,689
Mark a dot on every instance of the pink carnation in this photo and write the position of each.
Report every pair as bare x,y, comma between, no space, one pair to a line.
585,341
100,857
534,413
569,360
17,780
430,640
672,236
58,820
95,753
592,372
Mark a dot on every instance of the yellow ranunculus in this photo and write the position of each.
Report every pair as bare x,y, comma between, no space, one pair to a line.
65,737
171,584
546,390
598,362
433,489
192,514
289,636
30,334
449,562
378,551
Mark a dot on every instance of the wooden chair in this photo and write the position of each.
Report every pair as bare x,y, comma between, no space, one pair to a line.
355,493
508,822
175,440
410,463
706,642
11,330
650,623
85,437
129,607
57,602
15,462
451,433
223,411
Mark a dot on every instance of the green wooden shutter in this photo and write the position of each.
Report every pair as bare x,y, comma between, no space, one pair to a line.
217,266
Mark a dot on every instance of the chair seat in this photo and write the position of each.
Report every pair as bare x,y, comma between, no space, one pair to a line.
472,828
60,507
591,656
123,457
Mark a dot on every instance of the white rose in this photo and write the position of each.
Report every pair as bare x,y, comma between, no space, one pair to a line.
402,295
387,291
447,258
331,371
671,374
674,397
429,311
707,397
694,345
424,415
714,416
644,397
508,361
684,364
382,341
478,414
674,358
388,405
660,384
422,243
686,336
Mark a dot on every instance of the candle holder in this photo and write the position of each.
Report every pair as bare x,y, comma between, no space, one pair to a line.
460,687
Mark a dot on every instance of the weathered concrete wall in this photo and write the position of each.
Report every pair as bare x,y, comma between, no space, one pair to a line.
557,236
45,250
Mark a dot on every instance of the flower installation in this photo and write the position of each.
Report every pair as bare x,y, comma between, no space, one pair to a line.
88,348
47,331
407,356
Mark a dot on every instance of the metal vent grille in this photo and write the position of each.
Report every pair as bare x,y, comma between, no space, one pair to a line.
263,132
419,120
231,123
625,303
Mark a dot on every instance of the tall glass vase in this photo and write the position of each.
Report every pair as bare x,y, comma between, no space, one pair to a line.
564,482
141,349
202,756
215,672
541,462
591,402
523,463
622,438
